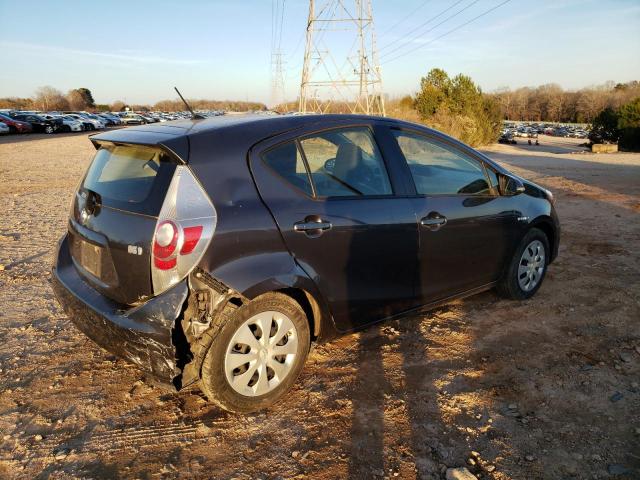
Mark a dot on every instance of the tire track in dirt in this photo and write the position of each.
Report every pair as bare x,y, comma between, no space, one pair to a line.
119,438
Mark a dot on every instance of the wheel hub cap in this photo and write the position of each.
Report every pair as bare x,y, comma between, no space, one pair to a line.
532,265
261,353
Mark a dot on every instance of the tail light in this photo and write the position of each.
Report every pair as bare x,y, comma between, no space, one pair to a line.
183,232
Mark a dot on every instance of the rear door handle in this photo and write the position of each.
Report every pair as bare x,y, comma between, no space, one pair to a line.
434,221
312,228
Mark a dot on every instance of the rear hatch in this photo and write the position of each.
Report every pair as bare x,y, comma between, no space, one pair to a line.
114,216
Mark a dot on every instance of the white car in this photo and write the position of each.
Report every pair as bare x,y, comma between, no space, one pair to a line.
96,124
69,124
4,128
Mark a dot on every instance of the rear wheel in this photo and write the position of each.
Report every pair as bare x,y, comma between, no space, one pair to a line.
527,268
256,356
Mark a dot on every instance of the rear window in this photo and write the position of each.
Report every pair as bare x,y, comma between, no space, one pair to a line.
130,177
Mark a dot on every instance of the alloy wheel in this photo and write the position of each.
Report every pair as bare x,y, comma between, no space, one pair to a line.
532,265
261,353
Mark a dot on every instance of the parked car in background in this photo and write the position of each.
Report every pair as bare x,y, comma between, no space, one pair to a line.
15,125
89,123
221,269
108,122
92,116
68,124
133,119
148,118
4,128
39,123
86,124
508,138
111,120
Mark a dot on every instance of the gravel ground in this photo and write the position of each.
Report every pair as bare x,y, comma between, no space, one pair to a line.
546,388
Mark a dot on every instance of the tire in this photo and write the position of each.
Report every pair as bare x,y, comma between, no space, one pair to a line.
245,395
12,129
514,284
48,129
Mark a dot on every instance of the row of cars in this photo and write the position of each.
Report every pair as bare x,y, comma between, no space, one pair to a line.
531,130
21,121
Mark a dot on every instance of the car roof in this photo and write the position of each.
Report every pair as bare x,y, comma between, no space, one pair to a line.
253,127
246,129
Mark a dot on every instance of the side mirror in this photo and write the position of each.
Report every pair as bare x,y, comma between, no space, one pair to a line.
510,186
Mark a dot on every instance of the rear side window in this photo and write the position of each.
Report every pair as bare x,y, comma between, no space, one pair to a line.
440,169
346,162
287,162
130,177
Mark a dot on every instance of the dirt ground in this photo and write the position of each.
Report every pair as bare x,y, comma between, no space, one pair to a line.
546,388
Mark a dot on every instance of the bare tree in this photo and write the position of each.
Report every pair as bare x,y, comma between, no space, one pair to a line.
117,106
76,100
49,99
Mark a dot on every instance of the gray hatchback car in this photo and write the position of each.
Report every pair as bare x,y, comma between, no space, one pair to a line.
217,251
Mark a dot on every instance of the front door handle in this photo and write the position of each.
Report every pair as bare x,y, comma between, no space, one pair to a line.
313,228
434,221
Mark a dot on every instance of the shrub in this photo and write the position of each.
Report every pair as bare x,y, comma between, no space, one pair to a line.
621,126
629,125
458,107
605,127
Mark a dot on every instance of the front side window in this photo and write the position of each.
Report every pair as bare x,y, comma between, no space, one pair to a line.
440,169
346,162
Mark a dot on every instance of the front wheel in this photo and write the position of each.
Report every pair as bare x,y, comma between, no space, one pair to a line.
527,268
256,356
48,129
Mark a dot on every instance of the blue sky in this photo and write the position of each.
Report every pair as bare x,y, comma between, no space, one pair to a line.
137,50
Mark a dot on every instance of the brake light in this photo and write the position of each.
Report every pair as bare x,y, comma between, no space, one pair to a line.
191,237
166,240
184,230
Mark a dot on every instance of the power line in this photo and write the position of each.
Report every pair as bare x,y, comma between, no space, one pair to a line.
430,29
447,33
277,77
384,47
410,14
281,25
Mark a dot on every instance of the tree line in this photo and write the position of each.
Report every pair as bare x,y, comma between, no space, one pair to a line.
51,99
552,103
48,98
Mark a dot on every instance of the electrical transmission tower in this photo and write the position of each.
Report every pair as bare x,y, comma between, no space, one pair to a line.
277,79
341,70
277,75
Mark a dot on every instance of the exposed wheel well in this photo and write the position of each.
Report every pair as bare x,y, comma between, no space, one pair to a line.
309,306
547,229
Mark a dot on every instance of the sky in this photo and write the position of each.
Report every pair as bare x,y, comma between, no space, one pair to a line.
136,51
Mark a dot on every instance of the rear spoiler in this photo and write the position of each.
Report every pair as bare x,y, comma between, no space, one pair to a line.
177,145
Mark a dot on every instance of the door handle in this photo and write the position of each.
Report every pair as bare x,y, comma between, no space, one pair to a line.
434,221
312,228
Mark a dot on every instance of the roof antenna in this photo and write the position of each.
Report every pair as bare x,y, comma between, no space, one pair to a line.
194,115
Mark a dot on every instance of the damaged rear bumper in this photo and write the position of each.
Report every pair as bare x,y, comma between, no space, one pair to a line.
142,335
